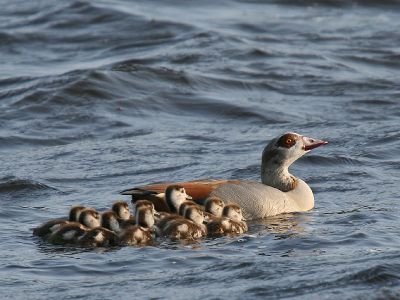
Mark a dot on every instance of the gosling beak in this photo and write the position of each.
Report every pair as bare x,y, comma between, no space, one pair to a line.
205,219
188,197
310,143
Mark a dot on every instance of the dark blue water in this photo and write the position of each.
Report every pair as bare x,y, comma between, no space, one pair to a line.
100,96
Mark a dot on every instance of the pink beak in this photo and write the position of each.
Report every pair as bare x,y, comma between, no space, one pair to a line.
310,144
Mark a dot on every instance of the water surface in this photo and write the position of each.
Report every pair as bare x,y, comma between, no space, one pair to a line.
100,96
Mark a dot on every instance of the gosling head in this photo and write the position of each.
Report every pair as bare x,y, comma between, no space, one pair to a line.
121,208
174,196
214,205
90,218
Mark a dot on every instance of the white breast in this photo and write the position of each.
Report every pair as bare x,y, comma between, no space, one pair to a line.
258,200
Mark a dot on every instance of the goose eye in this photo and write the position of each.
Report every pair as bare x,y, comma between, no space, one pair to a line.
288,141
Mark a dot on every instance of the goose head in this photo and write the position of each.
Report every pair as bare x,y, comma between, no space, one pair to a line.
279,154
145,216
233,212
90,218
109,220
75,212
121,208
143,203
214,205
175,195
185,204
195,214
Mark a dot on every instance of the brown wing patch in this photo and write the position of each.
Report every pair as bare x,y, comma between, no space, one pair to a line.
198,189
287,140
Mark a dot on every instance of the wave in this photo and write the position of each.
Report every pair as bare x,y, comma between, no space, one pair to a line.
10,184
331,160
380,274
332,3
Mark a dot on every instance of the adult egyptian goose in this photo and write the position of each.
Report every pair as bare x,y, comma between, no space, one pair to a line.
279,192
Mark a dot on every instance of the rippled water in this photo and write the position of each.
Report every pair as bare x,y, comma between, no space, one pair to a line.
100,96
